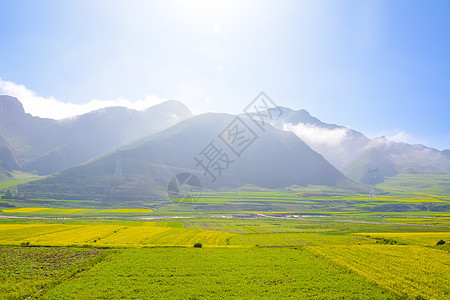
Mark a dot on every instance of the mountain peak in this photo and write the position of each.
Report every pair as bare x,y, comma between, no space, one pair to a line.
10,106
284,109
173,105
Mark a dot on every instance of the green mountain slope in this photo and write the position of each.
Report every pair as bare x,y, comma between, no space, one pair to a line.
47,146
142,170
391,158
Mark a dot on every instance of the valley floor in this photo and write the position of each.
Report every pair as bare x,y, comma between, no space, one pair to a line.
242,258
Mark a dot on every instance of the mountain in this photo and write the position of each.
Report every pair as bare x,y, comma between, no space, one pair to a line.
5,172
338,144
7,157
355,154
141,171
391,158
46,146
17,131
371,161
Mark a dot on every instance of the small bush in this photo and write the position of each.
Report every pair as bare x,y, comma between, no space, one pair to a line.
384,241
441,242
198,245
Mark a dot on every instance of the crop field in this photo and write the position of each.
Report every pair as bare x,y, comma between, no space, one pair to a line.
408,271
25,271
216,273
79,253
411,238
432,184
318,199
75,212
428,220
145,234
392,197
345,261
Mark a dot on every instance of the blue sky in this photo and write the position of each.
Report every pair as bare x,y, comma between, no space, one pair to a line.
380,67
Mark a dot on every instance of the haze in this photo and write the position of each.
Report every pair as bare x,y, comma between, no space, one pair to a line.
380,67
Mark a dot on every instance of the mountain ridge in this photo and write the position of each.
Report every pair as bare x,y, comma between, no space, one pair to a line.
277,159
46,146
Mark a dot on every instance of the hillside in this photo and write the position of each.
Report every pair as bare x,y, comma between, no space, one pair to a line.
391,158
276,159
338,144
354,154
45,146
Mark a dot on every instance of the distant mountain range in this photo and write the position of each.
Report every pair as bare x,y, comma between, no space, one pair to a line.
117,153
45,146
276,159
355,155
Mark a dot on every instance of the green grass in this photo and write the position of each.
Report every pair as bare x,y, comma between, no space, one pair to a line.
316,200
402,193
191,273
19,178
430,183
273,258
8,183
24,271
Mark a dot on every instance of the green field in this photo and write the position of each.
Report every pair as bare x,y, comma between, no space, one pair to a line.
171,273
243,256
402,193
296,243
27,271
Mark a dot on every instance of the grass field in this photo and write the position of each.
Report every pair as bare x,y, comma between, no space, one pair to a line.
395,195
334,257
302,243
408,271
171,273
25,271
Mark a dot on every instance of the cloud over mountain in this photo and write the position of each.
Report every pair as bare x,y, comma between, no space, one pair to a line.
50,107
318,136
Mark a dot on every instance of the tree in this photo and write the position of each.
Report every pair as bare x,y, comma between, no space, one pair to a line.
11,193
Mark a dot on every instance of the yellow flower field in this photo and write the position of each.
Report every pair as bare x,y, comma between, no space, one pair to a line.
24,209
149,234
109,235
54,234
412,238
56,211
413,270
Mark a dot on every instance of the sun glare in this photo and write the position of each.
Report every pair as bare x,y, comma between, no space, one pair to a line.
211,6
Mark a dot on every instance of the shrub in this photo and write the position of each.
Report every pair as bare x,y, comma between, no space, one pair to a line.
441,242
384,241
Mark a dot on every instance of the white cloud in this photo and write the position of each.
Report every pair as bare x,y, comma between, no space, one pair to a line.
315,136
395,135
337,145
49,107
400,137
